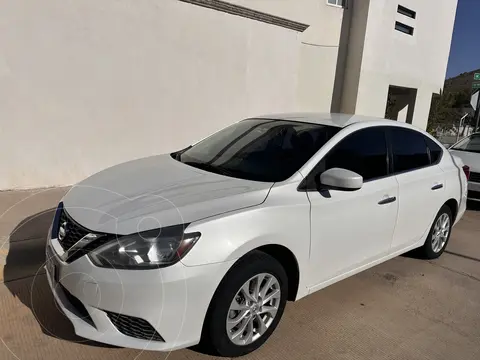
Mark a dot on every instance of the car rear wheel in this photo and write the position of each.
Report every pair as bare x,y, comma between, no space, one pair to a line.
439,234
247,306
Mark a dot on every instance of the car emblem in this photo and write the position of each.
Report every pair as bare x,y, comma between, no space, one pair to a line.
62,231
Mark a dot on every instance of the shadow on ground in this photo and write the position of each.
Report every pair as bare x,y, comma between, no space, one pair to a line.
25,278
417,254
473,205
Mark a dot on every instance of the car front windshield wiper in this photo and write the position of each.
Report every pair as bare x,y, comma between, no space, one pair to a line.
466,150
211,168
177,154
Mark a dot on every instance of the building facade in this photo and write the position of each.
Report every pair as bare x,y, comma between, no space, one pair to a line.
87,84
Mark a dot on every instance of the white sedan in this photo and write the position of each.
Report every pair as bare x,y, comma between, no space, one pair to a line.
206,245
468,149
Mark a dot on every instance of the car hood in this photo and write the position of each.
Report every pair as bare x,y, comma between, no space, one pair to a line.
471,159
155,192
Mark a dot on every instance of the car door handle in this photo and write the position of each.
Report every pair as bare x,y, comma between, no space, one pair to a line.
387,200
437,186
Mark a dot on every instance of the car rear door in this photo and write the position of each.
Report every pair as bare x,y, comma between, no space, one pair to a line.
421,185
350,229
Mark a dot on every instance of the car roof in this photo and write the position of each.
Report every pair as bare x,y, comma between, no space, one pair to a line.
332,119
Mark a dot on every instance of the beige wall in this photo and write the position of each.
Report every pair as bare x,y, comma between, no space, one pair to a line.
86,84
316,76
319,47
325,21
354,58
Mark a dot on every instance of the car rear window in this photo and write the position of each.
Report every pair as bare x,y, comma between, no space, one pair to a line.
435,150
409,150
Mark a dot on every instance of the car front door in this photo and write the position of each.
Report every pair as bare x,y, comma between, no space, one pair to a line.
351,229
421,185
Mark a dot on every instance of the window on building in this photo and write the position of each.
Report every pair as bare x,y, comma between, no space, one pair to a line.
341,3
409,150
407,12
403,28
364,152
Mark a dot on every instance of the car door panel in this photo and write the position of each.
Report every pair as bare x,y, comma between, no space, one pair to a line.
421,186
421,196
351,228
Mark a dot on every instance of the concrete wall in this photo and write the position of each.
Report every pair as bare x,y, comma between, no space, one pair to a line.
354,58
319,47
393,58
86,84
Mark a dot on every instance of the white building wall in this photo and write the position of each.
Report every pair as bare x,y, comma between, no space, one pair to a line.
393,58
319,46
354,58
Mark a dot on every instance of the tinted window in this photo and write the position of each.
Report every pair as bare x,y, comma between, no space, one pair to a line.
364,152
409,150
435,151
258,149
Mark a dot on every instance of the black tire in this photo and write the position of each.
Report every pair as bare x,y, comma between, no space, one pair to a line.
427,251
214,337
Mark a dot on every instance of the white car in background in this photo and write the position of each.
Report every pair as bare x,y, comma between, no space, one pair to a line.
208,243
468,149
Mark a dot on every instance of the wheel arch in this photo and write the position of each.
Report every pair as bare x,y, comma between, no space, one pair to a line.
287,259
453,205
283,255
278,252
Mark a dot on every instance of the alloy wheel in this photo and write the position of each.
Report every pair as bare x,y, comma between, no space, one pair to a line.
440,232
253,309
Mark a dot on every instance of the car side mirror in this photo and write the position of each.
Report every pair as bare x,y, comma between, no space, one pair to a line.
341,179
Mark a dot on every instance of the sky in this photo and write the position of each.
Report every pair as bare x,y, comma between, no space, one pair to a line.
465,48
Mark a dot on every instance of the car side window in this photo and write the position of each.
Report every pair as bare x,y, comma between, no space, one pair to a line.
409,150
364,152
435,151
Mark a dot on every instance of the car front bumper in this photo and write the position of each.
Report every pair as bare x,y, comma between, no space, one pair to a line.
172,300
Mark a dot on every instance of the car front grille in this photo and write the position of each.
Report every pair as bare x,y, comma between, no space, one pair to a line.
73,231
474,177
134,327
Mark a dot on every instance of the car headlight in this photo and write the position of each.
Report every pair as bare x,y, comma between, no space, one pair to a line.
145,250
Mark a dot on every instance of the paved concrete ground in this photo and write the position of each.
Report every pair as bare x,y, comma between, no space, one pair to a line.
403,309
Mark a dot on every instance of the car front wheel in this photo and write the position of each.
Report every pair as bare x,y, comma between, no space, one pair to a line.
247,306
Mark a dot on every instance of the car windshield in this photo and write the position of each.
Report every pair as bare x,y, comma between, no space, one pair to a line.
471,144
258,149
